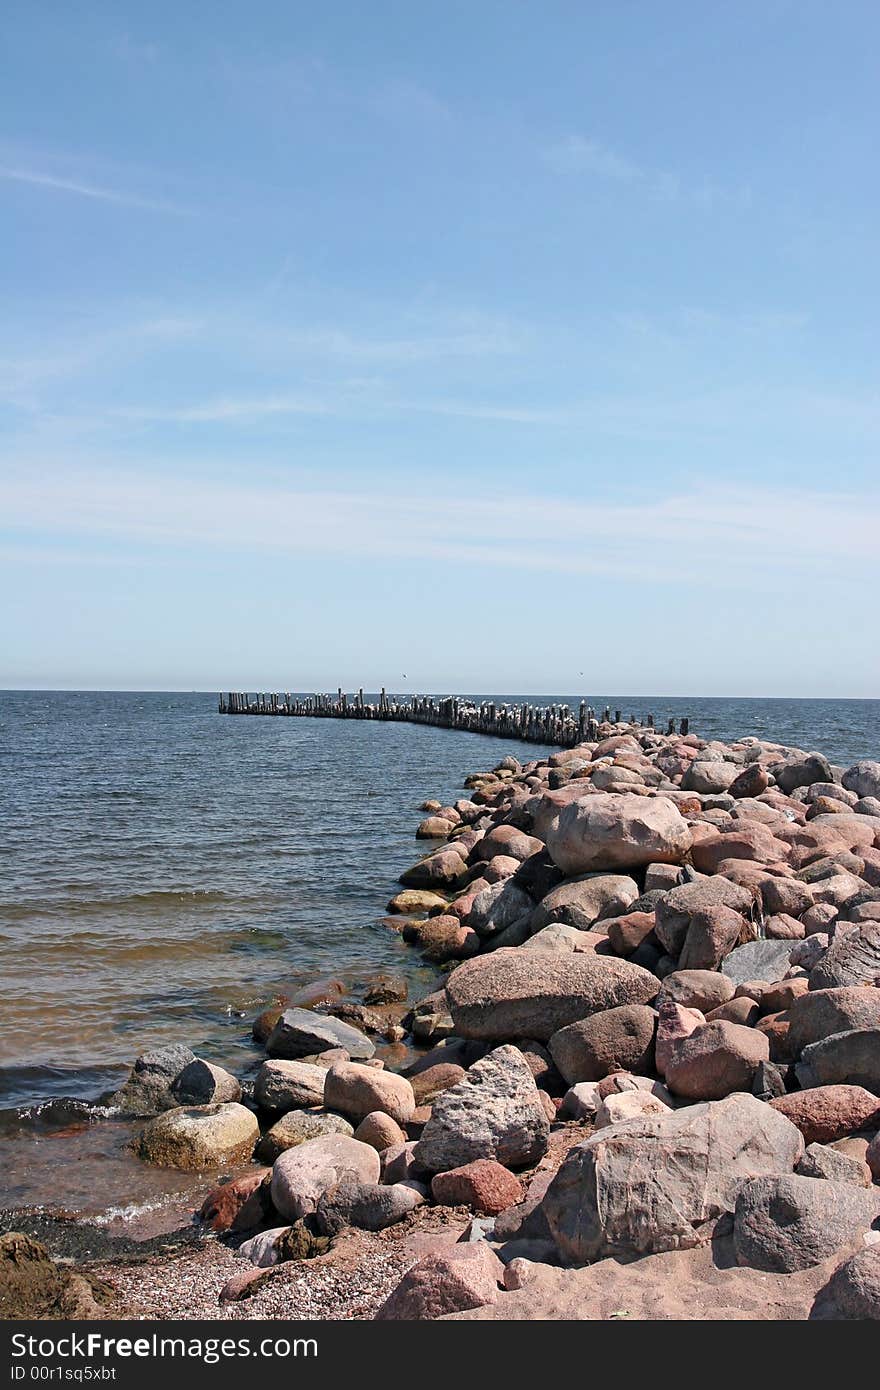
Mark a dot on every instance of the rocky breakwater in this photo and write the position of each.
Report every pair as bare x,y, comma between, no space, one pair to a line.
657,1039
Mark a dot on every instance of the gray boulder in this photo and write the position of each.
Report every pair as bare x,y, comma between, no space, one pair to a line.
843,1059
286,1085
660,1182
852,959
367,1205
863,778
821,1161
495,1112
852,1293
758,960
202,1083
498,907
579,902
148,1090
301,1033
820,1013
802,771
785,1223
302,1175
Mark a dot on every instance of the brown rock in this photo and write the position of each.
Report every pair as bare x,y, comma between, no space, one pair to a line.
484,1185
697,989
715,1060
620,1039
379,1131
450,1281
224,1202
428,1084
826,1113
626,934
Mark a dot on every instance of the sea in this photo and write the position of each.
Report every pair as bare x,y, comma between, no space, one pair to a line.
166,872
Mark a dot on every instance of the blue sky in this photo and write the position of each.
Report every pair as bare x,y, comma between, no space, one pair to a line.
490,343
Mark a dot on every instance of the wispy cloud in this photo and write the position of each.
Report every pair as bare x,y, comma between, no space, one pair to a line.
714,534
55,183
580,154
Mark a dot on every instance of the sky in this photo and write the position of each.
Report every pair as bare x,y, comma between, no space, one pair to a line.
489,343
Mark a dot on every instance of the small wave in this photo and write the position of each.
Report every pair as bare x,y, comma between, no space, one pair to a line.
132,1210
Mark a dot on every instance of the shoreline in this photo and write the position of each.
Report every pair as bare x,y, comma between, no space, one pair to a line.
567,864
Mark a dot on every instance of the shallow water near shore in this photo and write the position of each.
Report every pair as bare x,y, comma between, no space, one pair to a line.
165,871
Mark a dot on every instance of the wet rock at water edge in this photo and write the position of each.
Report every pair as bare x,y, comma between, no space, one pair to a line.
202,1136
301,1033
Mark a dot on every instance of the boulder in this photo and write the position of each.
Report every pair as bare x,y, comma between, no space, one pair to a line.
820,1161
660,1182
223,1203
266,1248
715,1060
434,828
627,933
302,1175
819,1013
281,1086
751,781
355,1091
853,959
787,895
449,1281
674,1022
495,1112
706,777
758,960
712,934
148,1090
506,840
446,938
202,1083
444,869
416,901
297,1127
617,831
853,1292
628,1105
200,1136
580,902
428,1084
786,1222
826,1113
484,1185
379,1131
863,778
802,771
696,989
532,994
498,907
676,908
619,1039
365,1205
844,1058
748,841
301,1033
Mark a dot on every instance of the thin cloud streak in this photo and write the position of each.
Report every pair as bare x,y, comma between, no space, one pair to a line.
579,154
88,190
713,534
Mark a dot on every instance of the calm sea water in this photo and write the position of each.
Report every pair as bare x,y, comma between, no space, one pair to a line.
164,870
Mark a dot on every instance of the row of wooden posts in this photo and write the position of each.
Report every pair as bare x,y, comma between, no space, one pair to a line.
551,724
